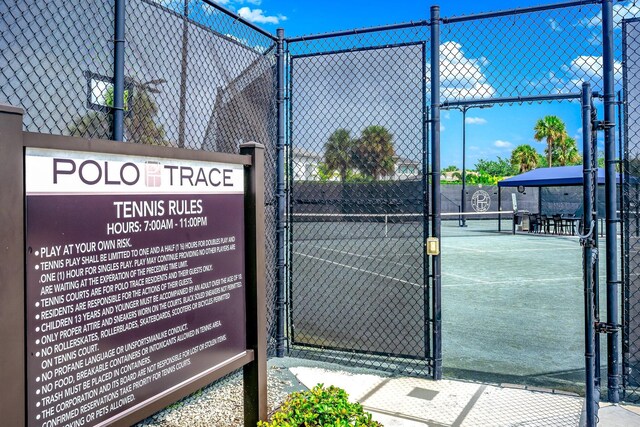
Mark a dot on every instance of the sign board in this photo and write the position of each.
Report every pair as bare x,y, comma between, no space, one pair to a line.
135,279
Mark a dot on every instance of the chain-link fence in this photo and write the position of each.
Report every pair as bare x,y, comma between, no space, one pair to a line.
195,77
631,205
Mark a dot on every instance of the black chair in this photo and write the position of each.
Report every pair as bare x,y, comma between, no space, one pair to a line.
545,224
558,224
534,223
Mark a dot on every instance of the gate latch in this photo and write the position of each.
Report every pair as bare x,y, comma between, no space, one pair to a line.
603,125
606,328
433,246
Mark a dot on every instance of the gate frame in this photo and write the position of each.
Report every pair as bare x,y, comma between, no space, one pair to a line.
430,126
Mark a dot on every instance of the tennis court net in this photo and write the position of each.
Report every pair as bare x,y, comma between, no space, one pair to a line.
312,226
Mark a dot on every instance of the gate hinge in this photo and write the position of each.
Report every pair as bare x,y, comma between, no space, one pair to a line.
606,328
603,125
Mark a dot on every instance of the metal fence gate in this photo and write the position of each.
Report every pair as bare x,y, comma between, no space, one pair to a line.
630,208
358,199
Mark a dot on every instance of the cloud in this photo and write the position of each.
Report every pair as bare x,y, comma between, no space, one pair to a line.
584,68
462,77
503,144
442,128
228,2
589,68
257,16
620,11
475,121
555,26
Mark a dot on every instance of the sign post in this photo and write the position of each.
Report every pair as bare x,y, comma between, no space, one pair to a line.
142,277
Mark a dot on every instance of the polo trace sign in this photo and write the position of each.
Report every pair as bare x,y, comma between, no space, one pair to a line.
134,279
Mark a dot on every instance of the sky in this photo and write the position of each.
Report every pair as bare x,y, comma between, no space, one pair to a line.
552,53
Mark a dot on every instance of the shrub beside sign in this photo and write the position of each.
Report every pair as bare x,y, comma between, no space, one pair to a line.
139,283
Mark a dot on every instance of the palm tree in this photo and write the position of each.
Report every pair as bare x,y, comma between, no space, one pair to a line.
524,158
338,153
374,154
565,151
553,130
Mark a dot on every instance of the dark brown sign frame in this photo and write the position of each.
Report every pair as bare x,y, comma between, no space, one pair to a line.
13,142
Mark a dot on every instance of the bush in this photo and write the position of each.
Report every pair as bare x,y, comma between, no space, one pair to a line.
327,407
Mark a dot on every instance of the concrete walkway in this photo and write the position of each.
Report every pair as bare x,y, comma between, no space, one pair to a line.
413,402
618,415
416,402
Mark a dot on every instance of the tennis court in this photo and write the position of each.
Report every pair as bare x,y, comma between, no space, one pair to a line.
512,305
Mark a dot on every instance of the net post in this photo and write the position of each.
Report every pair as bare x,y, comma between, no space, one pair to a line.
386,225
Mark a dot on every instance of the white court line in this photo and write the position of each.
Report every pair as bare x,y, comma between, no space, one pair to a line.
399,263
365,256
475,279
359,269
516,280
465,248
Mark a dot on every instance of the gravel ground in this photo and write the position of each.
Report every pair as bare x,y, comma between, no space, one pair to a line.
220,404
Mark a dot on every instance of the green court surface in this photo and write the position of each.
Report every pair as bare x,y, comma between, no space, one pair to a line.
513,306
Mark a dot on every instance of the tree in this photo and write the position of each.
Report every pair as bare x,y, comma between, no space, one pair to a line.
565,152
542,161
374,154
500,167
139,120
553,130
450,168
524,158
338,153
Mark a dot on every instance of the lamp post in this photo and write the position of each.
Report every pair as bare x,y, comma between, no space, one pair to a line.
464,109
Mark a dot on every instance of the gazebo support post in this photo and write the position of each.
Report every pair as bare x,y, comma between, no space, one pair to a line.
499,209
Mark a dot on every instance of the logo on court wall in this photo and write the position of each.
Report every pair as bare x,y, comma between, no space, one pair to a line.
481,201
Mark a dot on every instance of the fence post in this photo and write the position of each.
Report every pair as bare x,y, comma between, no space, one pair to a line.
118,70
12,297
588,258
435,189
613,285
255,373
280,195
183,75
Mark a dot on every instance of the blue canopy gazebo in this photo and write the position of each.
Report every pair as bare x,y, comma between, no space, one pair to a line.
551,177
559,176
